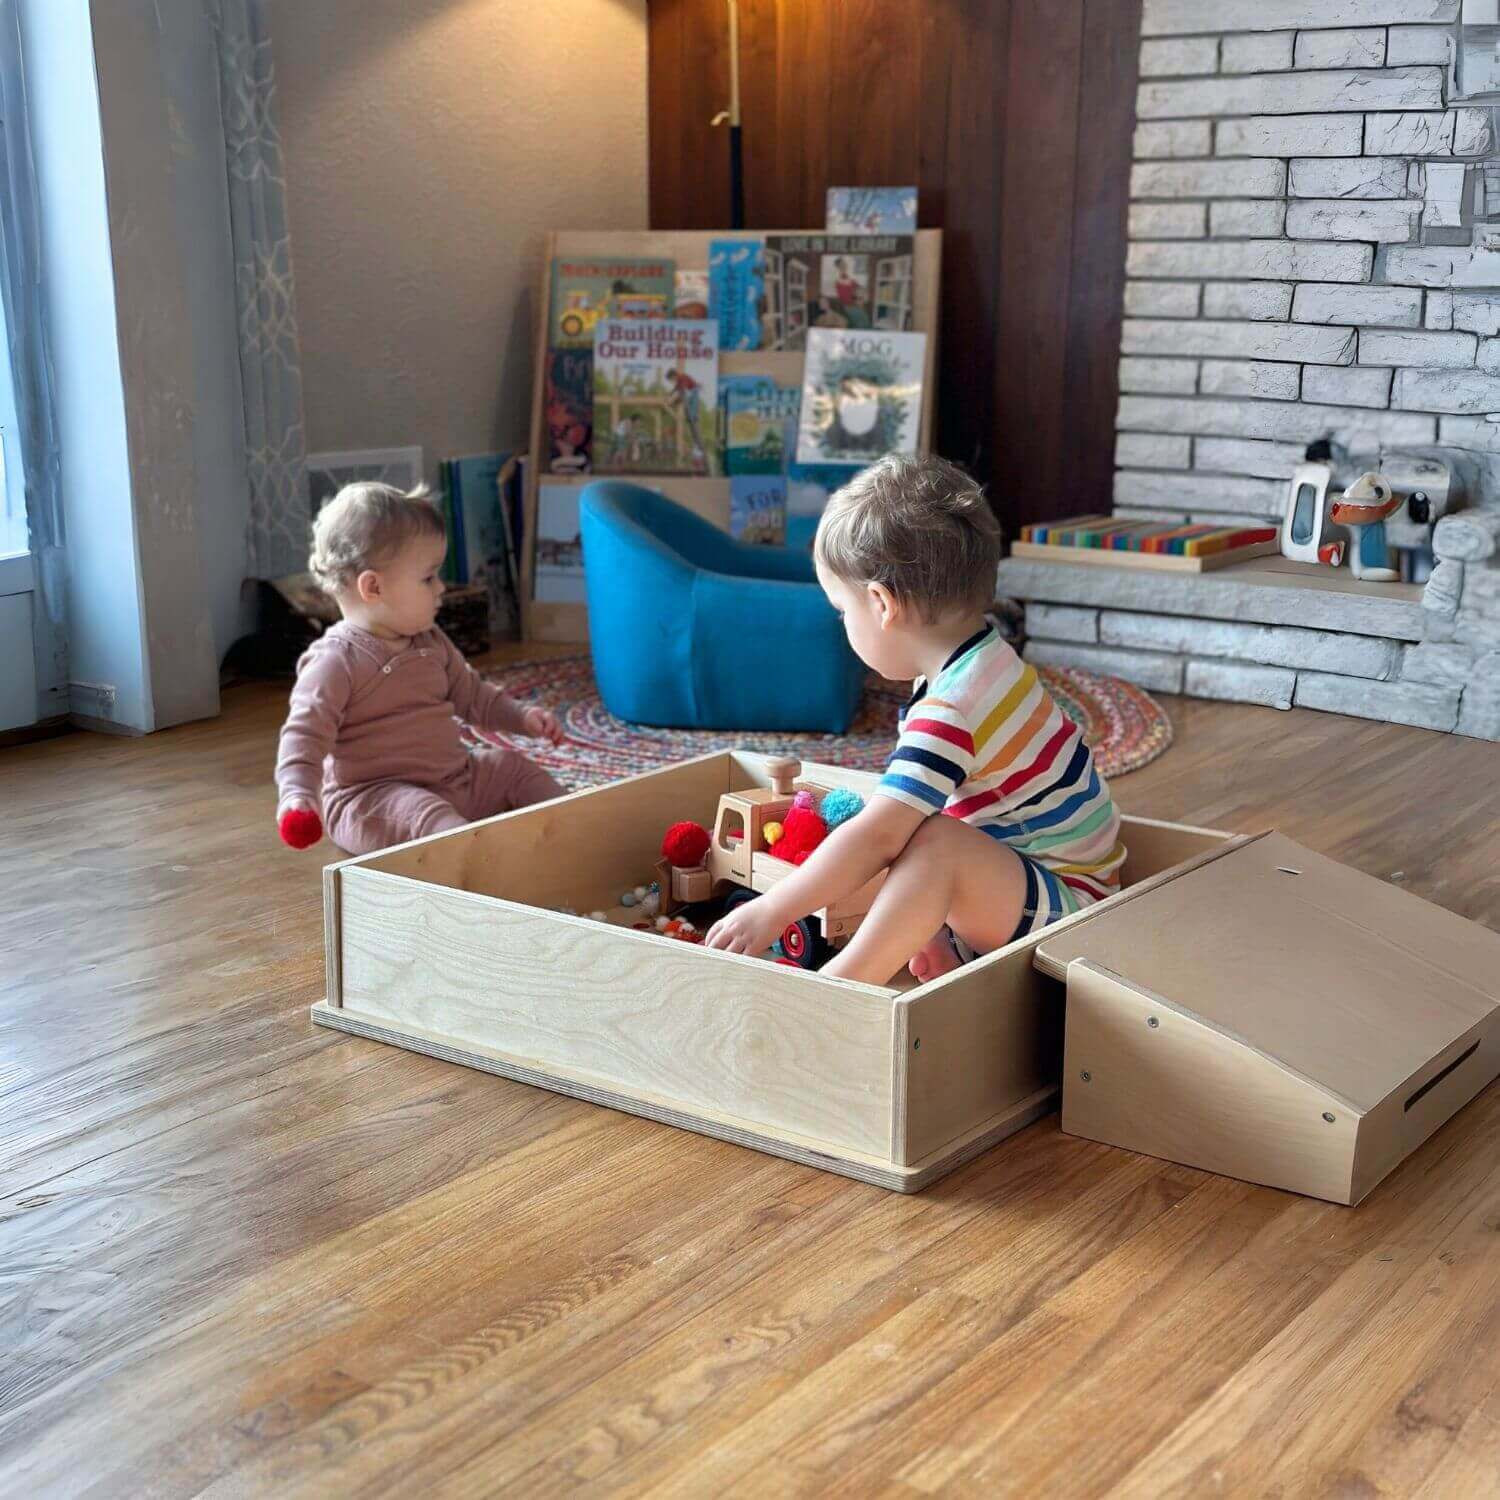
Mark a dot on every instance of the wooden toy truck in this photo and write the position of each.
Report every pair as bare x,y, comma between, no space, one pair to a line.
740,862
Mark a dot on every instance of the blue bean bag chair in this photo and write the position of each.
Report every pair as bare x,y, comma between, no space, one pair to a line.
694,630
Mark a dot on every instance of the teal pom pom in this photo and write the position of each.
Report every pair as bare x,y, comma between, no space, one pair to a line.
840,805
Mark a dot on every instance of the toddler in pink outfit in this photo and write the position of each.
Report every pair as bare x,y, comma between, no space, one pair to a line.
371,746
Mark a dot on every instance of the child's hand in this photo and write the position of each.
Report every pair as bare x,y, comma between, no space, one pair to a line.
543,724
300,826
750,928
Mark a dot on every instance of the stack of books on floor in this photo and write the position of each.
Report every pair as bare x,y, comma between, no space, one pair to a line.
1163,545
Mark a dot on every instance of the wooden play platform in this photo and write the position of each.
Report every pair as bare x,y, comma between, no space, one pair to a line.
1243,1005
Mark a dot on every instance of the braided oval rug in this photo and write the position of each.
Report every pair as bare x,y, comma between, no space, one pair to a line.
1124,725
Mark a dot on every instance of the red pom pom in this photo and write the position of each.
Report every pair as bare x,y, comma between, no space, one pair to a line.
803,831
300,827
685,845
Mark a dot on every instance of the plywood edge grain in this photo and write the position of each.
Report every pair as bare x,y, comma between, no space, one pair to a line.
332,936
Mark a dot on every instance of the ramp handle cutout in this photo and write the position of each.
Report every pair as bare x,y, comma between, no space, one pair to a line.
1437,1078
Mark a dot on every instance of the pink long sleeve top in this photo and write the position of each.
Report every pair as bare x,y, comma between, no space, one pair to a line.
365,709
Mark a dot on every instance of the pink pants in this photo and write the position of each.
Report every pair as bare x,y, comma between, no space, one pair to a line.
362,819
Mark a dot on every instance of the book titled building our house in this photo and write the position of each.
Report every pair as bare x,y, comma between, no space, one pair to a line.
833,281
656,393
861,395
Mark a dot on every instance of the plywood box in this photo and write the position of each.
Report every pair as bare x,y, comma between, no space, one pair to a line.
451,946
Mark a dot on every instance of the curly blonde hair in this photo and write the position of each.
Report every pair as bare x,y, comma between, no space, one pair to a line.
364,526
919,526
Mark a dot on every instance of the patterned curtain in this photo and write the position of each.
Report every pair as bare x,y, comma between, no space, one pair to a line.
30,349
270,363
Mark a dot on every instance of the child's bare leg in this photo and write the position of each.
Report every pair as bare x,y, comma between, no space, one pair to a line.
949,874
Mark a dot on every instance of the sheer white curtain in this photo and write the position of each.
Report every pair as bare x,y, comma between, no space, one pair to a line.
270,361
31,447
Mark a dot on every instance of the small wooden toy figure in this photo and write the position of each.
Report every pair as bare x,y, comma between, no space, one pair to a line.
1363,508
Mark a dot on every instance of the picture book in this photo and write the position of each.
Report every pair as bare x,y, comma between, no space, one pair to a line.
656,393
735,290
833,281
757,508
557,575
483,544
756,415
450,572
861,210
690,294
588,289
569,410
861,395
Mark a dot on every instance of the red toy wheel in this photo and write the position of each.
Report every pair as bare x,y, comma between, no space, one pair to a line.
801,944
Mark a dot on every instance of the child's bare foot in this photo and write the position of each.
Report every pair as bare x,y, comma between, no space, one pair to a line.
935,958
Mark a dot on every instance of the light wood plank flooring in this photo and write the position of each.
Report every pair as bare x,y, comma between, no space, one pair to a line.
241,1256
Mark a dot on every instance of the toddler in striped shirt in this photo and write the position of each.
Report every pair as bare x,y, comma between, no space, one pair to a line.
1028,832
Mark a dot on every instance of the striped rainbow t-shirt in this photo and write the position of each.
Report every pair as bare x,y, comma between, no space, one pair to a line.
986,742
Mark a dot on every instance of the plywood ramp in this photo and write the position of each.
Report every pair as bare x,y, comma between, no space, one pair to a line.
1222,1019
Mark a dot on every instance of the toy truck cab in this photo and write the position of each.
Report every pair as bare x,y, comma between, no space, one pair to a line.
741,864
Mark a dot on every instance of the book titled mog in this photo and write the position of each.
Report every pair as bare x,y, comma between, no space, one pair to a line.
861,395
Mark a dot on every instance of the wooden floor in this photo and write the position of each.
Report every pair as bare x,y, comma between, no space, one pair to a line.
239,1255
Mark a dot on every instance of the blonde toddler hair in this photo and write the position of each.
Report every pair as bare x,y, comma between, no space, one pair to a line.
919,526
364,526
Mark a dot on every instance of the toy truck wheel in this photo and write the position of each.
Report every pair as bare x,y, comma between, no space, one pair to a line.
802,944
737,898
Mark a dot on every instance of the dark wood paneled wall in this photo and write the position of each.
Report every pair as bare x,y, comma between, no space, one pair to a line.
1013,117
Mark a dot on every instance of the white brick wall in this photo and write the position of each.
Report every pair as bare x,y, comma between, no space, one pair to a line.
1282,260
1454,132
1199,54
1390,307
1250,377
1179,138
1348,177
1245,299
1252,177
1245,456
1362,89
1163,299
1340,219
1179,17
1446,351
1246,218
1344,387
1168,221
1285,341
1418,44
1363,48
1282,288
1275,135
1258,52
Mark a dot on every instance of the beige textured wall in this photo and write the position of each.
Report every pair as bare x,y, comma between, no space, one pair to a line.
430,145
